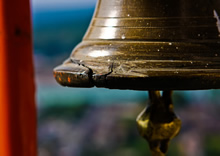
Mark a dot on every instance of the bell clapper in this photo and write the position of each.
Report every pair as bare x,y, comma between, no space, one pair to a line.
158,123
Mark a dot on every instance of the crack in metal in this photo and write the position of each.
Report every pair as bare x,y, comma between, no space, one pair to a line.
90,71
91,75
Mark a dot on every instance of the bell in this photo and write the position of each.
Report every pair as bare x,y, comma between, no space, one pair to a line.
149,45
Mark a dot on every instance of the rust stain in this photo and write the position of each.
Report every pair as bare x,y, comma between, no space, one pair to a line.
69,80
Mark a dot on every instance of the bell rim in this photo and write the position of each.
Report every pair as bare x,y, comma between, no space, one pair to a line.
84,70
180,81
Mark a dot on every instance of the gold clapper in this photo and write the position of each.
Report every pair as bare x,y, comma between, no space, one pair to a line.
158,123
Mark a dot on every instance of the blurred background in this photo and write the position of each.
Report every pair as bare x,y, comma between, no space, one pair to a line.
101,122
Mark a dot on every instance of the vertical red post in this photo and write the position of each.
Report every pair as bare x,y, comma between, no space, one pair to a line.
17,104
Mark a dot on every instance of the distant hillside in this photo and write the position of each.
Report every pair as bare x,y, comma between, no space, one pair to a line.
59,31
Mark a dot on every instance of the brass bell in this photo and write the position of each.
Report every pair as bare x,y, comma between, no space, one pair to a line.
149,45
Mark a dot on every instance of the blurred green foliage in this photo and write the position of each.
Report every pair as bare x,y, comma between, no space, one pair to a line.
212,145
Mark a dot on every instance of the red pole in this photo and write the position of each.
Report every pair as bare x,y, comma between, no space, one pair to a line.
17,105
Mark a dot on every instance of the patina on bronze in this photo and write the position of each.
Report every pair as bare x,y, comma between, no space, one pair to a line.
148,45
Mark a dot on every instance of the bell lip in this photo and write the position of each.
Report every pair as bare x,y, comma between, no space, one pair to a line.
81,70
83,79
78,78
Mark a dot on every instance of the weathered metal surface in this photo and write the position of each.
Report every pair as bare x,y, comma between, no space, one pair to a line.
158,123
148,45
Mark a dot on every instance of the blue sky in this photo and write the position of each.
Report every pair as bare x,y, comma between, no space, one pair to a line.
56,4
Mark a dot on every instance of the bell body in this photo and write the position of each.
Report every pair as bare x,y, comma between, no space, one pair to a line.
148,45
